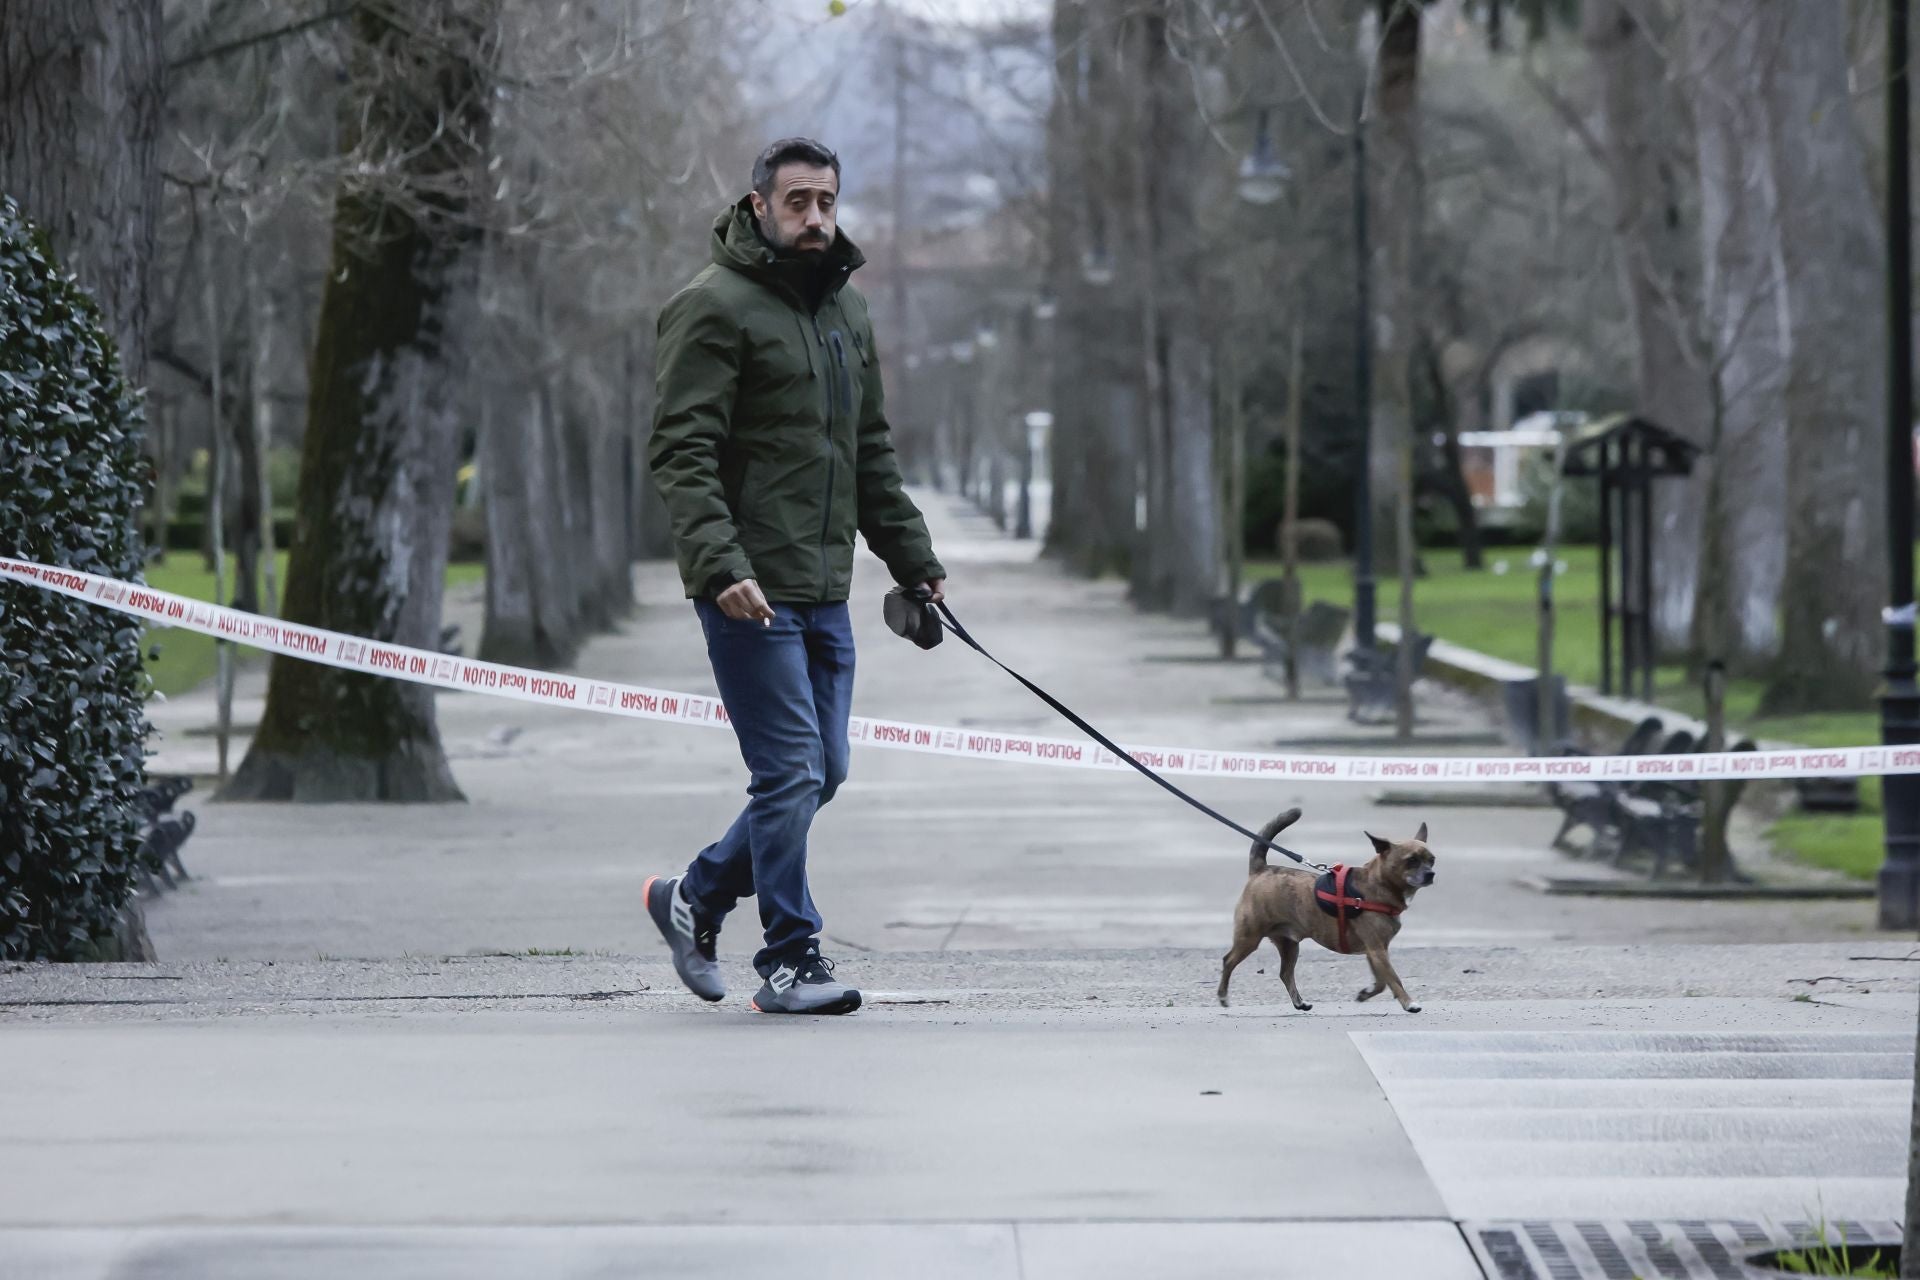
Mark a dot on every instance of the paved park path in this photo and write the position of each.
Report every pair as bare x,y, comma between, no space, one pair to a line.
443,1042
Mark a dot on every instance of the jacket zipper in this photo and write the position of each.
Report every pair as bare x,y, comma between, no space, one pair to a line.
826,508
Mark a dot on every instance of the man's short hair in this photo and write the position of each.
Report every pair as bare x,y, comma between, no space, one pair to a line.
791,151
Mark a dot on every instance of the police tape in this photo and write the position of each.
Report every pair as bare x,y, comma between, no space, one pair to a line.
467,675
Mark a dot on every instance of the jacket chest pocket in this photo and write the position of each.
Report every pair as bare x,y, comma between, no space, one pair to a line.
780,379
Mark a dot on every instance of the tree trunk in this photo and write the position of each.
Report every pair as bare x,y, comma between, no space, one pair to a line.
576,507
248,469
652,538
261,319
531,601
1649,162
1193,527
82,86
1398,196
611,562
376,477
1066,387
1835,259
1453,478
1193,501
1152,570
1094,370
508,634
1743,300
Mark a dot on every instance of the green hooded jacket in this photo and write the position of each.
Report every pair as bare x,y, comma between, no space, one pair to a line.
769,446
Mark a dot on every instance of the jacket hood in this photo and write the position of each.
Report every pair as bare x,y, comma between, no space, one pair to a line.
739,246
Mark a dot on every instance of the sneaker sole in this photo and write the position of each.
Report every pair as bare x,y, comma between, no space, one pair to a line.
646,904
848,1005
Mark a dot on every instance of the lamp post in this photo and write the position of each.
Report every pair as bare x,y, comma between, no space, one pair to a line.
986,340
1264,179
1363,386
1900,702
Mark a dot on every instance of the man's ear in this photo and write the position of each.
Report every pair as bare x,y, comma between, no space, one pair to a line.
1379,845
1421,834
759,205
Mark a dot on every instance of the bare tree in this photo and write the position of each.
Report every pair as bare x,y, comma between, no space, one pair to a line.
1649,165
375,502
1834,260
1398,203
1744,546
1096,379
587,232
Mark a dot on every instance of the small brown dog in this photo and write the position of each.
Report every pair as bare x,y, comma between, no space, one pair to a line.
1362,913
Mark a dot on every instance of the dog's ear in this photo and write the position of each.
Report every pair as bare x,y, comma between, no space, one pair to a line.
1421,834
1379,845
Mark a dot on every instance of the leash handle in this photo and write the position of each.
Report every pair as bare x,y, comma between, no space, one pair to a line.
960,632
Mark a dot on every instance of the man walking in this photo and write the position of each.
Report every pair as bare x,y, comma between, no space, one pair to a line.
770,450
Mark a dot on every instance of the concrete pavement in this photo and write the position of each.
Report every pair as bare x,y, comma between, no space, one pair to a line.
360,1054
569,812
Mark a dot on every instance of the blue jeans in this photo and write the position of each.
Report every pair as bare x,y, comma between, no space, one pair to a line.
788,688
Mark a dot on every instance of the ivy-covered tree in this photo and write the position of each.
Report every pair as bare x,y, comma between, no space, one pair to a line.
72,721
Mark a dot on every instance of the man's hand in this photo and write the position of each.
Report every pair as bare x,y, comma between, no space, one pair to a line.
742,601
938,587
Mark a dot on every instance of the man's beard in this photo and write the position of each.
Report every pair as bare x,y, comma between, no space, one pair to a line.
804,242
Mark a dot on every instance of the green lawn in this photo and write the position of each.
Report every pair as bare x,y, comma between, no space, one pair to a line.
186,659
1497,613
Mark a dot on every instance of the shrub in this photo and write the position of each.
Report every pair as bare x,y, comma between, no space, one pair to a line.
1579,503
72,722
1326,493
1316,541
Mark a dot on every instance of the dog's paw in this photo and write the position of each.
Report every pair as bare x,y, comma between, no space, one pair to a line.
1366,993
1413,1008
1303,1006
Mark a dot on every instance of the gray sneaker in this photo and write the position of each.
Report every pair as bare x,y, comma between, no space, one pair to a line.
690,938
806,987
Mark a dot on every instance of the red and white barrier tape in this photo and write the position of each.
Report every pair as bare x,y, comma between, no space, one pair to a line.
467,675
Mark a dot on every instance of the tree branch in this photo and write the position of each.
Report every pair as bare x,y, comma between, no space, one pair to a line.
224,48
1569,116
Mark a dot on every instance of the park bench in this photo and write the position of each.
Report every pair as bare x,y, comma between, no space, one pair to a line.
160,849
160,866
1372,679
1660,818
1590,804
1316,633
1828,795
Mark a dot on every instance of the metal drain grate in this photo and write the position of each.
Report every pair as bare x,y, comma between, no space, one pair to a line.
1640,1250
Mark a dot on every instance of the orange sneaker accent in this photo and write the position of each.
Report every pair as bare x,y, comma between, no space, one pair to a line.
646,890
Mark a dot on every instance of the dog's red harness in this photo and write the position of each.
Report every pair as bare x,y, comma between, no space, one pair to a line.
1331,891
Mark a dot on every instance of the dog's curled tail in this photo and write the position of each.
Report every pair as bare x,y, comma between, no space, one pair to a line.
1257,860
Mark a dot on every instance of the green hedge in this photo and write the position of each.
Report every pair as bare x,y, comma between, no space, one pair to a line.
72,722
189,533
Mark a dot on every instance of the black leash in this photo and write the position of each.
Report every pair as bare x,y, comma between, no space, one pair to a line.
953,624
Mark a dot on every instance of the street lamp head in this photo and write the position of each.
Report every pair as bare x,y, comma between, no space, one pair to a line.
1263,174
1096,266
